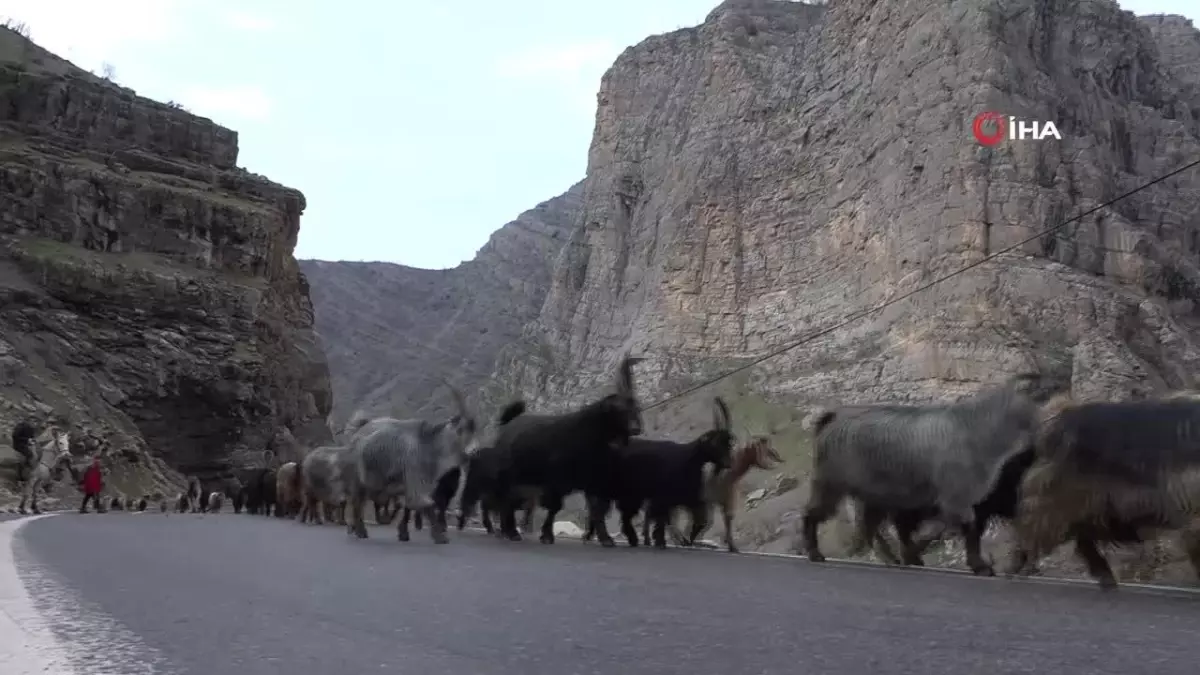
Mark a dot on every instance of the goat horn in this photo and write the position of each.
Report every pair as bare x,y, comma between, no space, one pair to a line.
721,414
625,373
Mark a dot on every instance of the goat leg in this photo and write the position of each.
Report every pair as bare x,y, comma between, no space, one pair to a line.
530,509
823,501
660,514
1097,566
597,520
508,522
973,535
869,534
593,506
402,525
437,526
553,503
727,516
627,529
700,517
357,526
910,550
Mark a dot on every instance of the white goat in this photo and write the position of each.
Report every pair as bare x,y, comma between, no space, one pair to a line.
38,475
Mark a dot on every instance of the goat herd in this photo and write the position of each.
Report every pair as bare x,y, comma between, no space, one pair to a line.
1059,470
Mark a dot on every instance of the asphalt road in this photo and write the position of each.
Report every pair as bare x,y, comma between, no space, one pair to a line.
124,593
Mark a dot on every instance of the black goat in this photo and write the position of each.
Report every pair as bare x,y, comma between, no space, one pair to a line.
257,492
561,454
664,475
202,499
483,468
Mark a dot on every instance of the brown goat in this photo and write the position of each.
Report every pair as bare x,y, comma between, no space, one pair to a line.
1114,473
288,491
721,488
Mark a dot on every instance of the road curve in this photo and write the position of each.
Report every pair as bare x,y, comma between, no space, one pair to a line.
173,594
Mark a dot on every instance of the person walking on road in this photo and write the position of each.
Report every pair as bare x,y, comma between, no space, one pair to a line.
93,485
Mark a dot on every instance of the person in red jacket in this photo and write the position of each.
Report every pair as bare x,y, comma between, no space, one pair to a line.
93,485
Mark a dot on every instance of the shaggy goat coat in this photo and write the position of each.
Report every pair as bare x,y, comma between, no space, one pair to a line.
400,458
938,458
910,457
1114,472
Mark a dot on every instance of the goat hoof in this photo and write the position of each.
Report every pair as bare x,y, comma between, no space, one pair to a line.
402,536
816,557
1107,583
546,539
440,538
983,571
608,542
734,549
511,536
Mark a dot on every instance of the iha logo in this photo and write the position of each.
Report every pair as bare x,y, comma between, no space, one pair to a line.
990,128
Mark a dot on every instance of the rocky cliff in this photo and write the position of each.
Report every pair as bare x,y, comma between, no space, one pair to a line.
148,292
783,166
391,331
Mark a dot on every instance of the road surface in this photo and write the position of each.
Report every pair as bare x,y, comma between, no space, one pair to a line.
216,594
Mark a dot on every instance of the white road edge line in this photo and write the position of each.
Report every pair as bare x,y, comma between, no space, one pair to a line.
1157,589
27,645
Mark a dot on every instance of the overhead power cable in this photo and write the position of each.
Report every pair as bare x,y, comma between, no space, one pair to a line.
865,313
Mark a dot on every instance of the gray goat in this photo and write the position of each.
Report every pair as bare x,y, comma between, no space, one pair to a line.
215,502
388,458
937,458
320,482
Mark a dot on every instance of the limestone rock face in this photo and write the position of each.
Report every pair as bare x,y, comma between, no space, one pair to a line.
392,331
783,167
148,292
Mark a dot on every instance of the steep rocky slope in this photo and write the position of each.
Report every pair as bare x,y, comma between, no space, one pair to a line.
148,293
391,331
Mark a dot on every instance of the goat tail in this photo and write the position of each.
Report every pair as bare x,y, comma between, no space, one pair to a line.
1051,409
511,412
819,419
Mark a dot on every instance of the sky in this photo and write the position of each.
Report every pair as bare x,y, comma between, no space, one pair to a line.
414,129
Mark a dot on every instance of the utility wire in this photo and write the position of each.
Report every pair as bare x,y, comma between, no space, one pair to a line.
826,331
